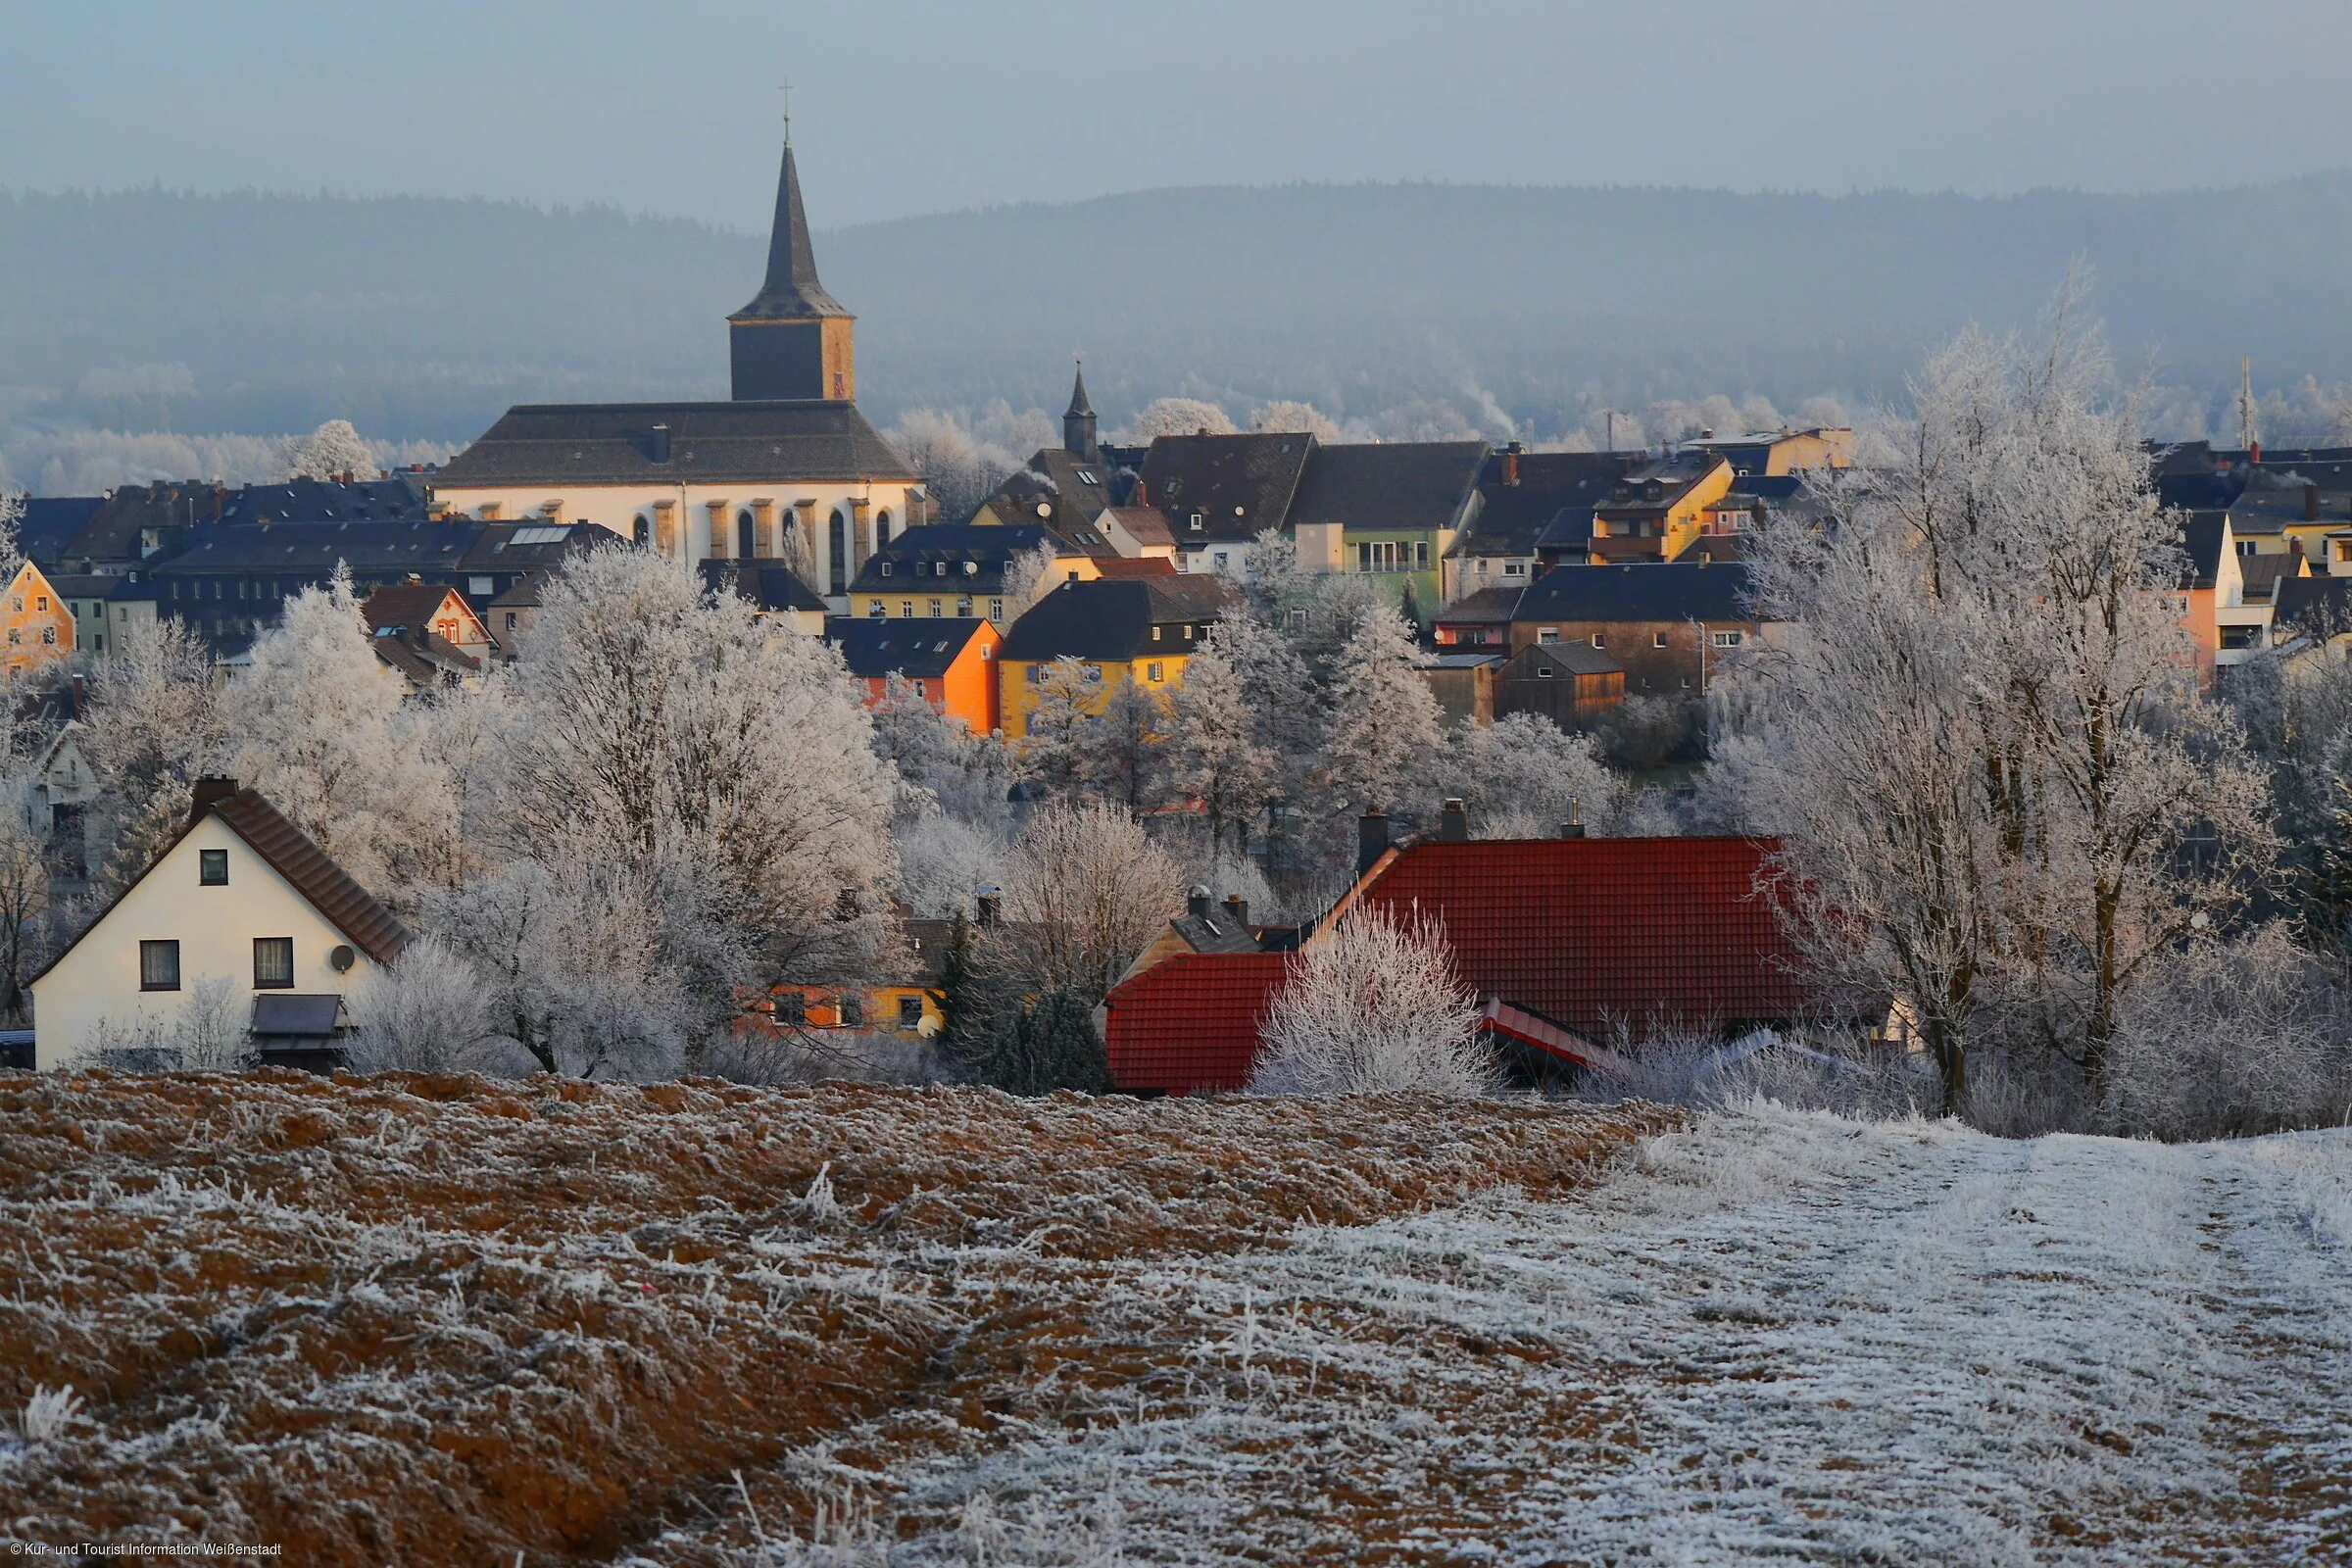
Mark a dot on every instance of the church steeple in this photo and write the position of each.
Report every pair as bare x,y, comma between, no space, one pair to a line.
1078,421
793,340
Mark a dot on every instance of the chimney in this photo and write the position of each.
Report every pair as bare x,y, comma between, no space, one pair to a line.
1574,827
1239,908
660,443
2311,503
211,791
1196,902
80,698
990,906
1453,824
1371,840
2254,452
1510,463
1137,498
1705,434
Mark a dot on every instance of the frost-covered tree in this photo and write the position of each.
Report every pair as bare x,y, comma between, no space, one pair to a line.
1127,761
1221,753
1382,729
723,772
310,725
1057,739
1299,417
962,469
1522,777
2000,791
426,1012
1030,578
1176,417
1084,890
12,523
1374,1005
330,452
25,889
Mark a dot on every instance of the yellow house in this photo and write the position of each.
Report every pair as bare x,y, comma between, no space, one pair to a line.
1113,631
1655,511
953,571
905,1004
39,622
1778,453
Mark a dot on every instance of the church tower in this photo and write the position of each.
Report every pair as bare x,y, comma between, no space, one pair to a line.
1078,422
794,340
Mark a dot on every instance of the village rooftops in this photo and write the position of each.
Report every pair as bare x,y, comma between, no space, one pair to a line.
966,558
768,585
1652,591
1397,486
369,500
1225,488
746,442
1112,618
918,648
1657,487
1523,494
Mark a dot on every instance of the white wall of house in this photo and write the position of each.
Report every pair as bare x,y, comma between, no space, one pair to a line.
678,517
94,990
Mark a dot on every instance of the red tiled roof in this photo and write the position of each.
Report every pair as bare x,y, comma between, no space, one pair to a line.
1191,1023
1138,566
1586,932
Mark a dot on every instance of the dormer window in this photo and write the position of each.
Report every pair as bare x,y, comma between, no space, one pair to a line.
1196,523
886,569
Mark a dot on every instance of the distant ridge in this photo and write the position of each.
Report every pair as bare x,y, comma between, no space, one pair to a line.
423,317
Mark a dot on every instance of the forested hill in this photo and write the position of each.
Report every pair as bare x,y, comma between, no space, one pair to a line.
420,317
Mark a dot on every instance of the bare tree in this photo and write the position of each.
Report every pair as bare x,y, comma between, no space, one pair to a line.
1084,890
1177,417
1374,1005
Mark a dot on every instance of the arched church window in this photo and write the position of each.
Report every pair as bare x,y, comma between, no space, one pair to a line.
837,535
644,530
747,535
881,529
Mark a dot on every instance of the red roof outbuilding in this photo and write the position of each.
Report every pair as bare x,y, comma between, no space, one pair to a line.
1190,1023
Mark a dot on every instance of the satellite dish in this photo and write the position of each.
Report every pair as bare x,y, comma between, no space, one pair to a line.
342,958
971,568
1044,509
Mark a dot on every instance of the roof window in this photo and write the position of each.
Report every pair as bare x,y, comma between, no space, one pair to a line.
1196,523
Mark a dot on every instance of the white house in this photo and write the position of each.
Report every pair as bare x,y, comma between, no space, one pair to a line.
243,916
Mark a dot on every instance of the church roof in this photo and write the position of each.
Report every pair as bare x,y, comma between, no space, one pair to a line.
1079,407
791,291
710,443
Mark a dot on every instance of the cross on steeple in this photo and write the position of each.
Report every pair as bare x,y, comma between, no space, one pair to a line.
786,91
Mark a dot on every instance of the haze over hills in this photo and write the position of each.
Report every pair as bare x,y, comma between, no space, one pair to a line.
1524,308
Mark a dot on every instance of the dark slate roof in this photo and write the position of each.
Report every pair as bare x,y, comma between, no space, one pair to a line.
76,585
2201,542
1240,484
1485,607
1512,517
766,584
1651,591
988,549
314,548
2315,604
1717,548
751,442
1657,486
49,522
110,532
324,501
791,291
1079,407
1397,485
1059,481
1112,618
2262,512
1574,659
531,546
913,646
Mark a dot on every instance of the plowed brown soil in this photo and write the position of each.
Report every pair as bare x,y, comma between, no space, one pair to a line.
449,1320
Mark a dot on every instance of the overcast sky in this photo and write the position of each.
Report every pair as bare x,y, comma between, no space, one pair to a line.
671,106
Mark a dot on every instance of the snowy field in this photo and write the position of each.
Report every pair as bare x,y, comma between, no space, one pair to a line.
436,1321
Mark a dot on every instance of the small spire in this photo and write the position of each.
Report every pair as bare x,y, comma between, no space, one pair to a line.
1079,407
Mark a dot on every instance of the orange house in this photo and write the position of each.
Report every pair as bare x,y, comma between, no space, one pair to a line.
41,626
952,661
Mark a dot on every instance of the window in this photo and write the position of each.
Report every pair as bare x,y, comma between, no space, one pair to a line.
792,1008
1037,675
158,966
911,1012
1600,640
16,603
15,635
1223,559
2245,546
1195,525
1156,633
273,963
212,869
1514,569
41,601
1152,671
1548,634
886,569
852,1010
934,610
49,634
1724,639
878,611
1420,555
1657,639
995,609
1188,633
1542,672
906,609
1094,675
1184,562
98,644
481,587
963,609
1087,476
922,689
510,620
